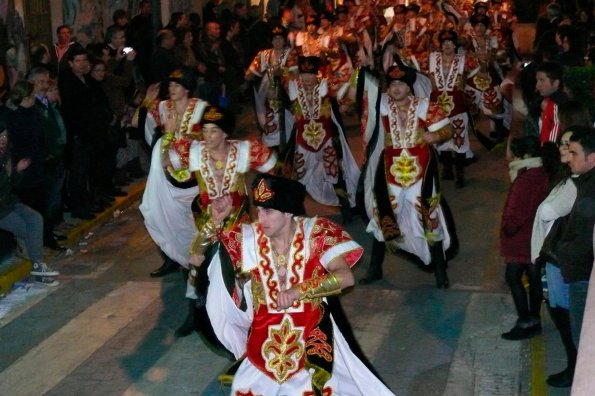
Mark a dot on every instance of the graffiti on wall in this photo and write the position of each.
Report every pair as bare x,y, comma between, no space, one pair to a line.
90,18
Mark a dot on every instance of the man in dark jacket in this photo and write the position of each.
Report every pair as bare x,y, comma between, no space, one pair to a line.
164,61
575,247
79,105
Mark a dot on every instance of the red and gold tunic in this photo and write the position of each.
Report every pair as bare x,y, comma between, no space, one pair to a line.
448,87
406,154
281,342
180,140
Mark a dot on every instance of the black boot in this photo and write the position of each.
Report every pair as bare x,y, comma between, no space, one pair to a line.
375,269
561,318
439,263
134,169
500,133
167,267
190,324
446,160
346,214
460,170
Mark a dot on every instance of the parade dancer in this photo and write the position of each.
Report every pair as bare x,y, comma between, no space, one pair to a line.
449,72
288,334
321,158
272,67
172,123
219,164
401,184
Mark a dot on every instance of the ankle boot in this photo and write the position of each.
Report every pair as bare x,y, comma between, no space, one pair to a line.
190,324
346,214
204,326
167,267
134,169
439,263
374,272
459,170
446,160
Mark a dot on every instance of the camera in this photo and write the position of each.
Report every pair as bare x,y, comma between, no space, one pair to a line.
126,50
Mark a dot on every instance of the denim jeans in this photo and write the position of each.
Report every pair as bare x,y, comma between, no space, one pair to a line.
27,224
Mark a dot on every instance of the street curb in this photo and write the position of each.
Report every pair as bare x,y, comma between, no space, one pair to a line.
21,268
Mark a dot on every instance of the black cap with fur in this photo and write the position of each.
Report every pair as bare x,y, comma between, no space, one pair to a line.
279,193
220,117
184,77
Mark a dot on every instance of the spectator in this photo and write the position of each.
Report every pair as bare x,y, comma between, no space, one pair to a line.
55,144
574,248
59,56
163,61
40,57
549,85
527,191
120,18
209,52
28,141
572,45
548,219
79,105
18,218
109,136
141,32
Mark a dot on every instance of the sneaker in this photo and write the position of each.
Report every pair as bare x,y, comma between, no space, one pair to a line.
42,269
46,281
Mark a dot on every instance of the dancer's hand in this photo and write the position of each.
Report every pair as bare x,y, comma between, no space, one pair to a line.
196,259
286,298
221,208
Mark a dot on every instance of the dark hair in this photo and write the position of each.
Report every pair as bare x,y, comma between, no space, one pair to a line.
585,137
37,52
37,71
63,27
175,18
111,31
553,71
552,164
20,91
526,145
76,51
162,35
143,2
120,13
573,113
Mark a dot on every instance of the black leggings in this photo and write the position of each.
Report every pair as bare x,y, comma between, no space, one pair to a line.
527,308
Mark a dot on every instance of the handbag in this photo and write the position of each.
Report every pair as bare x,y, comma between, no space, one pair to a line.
548,252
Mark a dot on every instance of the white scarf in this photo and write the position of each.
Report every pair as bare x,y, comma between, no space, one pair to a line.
516,165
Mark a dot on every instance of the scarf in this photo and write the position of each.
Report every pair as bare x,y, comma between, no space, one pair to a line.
524,163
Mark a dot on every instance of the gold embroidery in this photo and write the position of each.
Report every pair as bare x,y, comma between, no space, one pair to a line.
482,82
446,102
405,169
212,115
258,296
263,193
283,350
313,134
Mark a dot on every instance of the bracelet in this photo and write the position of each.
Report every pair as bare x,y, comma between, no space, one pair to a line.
326,285
204,238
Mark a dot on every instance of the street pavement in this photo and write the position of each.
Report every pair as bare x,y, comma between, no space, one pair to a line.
108,328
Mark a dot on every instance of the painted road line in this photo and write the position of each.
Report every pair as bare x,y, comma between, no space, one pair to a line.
538,363
44,366
484,363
